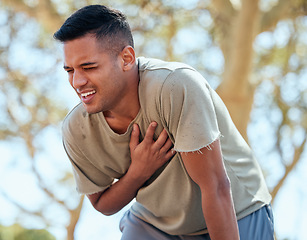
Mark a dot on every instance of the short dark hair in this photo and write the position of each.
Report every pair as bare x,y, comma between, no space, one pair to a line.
109,26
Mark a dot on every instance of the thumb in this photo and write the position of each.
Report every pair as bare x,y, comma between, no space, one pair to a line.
134,139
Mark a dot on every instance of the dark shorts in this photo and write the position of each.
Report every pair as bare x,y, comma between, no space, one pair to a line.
257,226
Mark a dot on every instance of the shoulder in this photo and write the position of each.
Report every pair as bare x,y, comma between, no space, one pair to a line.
73,119
155,74
75,114
152,64
185,81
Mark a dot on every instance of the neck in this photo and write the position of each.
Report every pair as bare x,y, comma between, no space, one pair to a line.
126,111
119,122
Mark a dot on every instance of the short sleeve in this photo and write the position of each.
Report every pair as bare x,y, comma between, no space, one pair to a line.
188,110
88,178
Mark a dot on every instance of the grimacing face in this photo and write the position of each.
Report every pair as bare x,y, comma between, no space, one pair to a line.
95,75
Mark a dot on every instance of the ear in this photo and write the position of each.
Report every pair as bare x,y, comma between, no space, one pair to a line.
128,58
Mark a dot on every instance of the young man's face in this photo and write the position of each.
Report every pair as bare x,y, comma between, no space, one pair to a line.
95,74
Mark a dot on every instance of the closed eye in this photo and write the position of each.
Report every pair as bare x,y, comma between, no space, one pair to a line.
89,68
68,69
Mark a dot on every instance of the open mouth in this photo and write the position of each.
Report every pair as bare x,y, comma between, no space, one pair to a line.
87,97
84,95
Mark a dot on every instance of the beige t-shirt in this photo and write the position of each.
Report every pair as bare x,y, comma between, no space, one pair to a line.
179,99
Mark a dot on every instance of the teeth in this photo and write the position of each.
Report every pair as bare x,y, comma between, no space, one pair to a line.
88,93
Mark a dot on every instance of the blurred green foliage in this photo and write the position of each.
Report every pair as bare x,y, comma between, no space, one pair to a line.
17,232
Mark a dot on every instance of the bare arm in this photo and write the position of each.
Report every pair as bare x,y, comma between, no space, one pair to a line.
208,171
146,157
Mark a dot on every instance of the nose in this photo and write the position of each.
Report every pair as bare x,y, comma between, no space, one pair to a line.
78,80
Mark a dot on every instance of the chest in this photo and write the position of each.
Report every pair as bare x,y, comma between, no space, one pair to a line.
109,151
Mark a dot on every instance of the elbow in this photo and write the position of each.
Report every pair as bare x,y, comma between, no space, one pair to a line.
224,184
108,213
224,187
218,189
101,205
105,210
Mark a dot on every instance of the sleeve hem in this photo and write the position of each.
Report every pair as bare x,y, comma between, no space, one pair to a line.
198,149
92,191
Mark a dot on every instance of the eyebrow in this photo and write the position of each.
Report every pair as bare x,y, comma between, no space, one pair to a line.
87,63
81,65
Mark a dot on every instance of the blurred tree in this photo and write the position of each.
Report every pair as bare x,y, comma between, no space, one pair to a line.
29,110
253,51
16,232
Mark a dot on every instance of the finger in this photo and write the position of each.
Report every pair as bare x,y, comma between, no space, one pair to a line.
161,139
167,146
150,132
170,154
134,139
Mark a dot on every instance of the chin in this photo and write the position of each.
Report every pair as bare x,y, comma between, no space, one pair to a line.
91,110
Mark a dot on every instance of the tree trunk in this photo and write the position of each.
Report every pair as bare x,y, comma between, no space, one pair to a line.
74,218
236,89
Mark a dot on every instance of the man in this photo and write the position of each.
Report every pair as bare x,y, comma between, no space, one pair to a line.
163,133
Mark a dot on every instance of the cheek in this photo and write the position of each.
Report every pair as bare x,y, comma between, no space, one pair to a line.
70,80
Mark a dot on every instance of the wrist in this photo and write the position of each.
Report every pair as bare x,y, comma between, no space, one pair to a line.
136,176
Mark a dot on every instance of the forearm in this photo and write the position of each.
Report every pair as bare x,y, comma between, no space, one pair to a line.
208,171
118,195
146,157
220,216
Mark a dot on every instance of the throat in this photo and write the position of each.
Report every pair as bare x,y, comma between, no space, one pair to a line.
118,125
